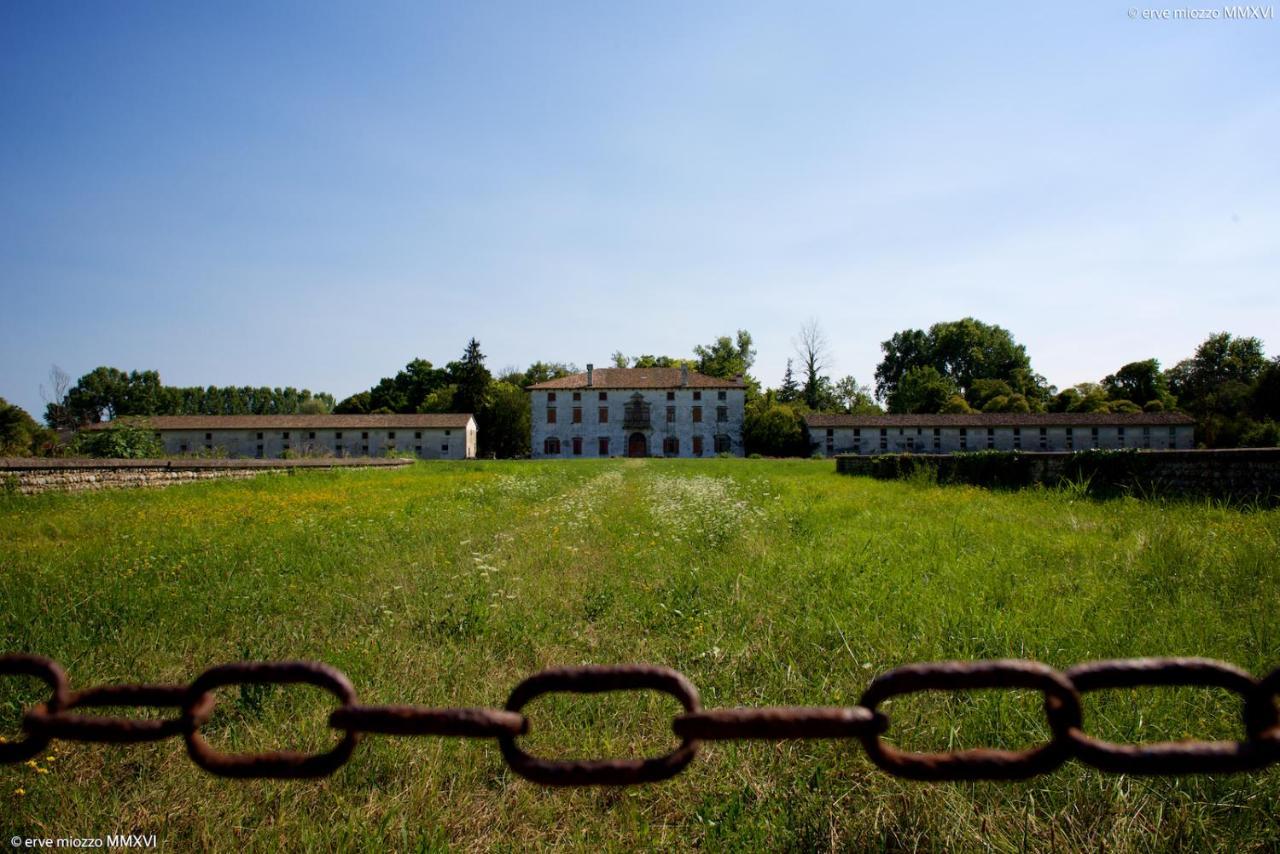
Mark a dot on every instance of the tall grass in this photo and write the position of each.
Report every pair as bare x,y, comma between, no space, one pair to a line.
765,582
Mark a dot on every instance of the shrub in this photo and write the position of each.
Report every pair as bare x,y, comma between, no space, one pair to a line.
123,442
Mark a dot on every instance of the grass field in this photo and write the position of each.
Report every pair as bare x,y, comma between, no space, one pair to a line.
766,583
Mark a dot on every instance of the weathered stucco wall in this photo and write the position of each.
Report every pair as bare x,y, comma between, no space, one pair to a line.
428,443
946,440
30,476
1244,474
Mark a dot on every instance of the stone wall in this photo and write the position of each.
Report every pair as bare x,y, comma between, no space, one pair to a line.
28,476
1240,474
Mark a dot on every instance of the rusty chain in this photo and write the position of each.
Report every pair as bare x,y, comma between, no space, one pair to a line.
1062,690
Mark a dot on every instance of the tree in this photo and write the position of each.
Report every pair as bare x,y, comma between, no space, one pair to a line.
507,417
773,429
789,391
1218,375
541,372
472,379
922,389
56,414
357,404
815,352
1265,398
726,357
855,399
20,435
1139,382
963,351
619,359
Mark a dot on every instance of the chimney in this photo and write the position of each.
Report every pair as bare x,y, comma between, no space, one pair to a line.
590,370
684,375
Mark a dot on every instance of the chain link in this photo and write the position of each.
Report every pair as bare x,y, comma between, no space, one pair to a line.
56,719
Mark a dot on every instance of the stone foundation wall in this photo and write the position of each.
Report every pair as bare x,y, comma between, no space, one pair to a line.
1242,474
31,476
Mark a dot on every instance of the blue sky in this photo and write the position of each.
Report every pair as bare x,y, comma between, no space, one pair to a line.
312,194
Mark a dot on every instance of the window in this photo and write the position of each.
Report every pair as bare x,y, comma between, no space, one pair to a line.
937,439
884,439
1146,437
208,437
577,415
991,437
551,397
671,446
444,449
697,395
1120,436
286,446
1071,439
1173,437
1044,438
1093,435
417,434
722,413
722,395
723,444
697,414
671,395
671,414
857,432
603,415
259,437
697,446
551,415
284,435
338,451
208,447
604,395
364,435
551,445
577,395
1017,438
964,438
603,442
182,448
259,453
311,435
391,434
577,446
364,449
337,435
448,432
417,449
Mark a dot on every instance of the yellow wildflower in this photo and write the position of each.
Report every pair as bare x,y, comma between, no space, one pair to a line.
19,792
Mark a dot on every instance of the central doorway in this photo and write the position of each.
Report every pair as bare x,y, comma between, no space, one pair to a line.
637,446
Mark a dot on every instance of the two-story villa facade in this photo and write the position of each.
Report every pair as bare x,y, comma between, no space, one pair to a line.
637,412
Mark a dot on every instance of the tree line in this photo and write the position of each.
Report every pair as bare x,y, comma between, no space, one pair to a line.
1228,384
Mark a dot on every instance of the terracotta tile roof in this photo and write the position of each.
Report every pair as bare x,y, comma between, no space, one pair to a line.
605,378
1004,419
292,422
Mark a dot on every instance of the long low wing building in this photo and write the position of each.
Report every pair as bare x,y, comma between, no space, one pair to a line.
435,436
1002,431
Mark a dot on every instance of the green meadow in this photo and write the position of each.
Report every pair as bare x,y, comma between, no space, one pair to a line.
764,582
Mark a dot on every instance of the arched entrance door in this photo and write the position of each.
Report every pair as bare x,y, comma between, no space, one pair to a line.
637,446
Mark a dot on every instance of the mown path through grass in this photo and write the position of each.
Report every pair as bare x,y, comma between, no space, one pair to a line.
765,582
